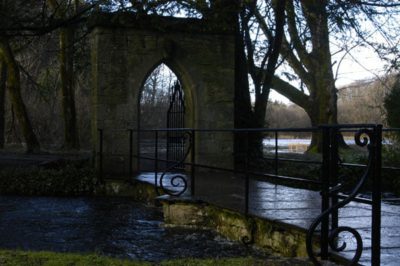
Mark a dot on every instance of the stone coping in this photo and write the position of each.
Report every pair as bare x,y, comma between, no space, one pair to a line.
157,23
167,199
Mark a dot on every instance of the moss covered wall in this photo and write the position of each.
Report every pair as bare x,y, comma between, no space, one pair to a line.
283,239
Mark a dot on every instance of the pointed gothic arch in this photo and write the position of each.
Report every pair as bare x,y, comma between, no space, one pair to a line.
184,80
162,105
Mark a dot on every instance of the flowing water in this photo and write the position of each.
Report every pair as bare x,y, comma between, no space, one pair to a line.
114,227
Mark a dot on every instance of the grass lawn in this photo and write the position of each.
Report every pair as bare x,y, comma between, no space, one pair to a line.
44,258
21,258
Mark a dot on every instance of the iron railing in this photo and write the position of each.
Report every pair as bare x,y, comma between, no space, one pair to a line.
334,195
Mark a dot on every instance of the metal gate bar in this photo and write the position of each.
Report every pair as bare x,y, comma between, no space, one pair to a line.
176,119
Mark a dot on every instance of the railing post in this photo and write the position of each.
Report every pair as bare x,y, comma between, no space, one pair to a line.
156,163
247,181
376,197
333,172
192,160
101,177
326,136
276,152
130,153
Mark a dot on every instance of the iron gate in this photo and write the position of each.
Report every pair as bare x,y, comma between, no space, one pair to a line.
176,119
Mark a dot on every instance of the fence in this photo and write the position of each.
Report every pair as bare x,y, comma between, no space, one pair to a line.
246,160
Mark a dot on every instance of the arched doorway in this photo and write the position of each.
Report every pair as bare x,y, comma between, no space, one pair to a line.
161,106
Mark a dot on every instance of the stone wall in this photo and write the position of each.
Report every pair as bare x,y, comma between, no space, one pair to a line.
125,50
280,238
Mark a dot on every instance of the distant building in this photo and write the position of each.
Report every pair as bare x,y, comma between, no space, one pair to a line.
355,90
362,101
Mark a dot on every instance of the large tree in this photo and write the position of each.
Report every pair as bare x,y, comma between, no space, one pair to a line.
311,61
62,9
10,13
249,60
20,23
14,88
306,49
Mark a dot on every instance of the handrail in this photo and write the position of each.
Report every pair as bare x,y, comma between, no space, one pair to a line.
332,196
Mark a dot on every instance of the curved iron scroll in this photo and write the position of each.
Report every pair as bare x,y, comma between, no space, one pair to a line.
249,239
334,234
178,179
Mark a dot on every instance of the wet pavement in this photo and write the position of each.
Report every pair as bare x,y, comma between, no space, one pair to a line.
114,227
299,207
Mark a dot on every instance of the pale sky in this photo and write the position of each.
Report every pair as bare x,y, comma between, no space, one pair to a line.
362,64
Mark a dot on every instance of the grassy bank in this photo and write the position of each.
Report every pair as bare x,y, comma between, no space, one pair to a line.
22,258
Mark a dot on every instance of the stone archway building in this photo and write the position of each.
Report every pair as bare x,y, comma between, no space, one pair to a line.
126,49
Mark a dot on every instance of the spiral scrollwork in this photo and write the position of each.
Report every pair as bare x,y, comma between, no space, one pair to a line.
366,135
363,137
249,238
334,234
177,181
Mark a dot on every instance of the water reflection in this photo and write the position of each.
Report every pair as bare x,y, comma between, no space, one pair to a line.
298,145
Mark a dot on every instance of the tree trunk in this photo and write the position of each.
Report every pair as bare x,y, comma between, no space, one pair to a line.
243,112
324,114
14,88
71,135
262,81
3,77
244,117
321,83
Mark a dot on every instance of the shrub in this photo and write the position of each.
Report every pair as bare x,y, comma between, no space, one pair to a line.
67,181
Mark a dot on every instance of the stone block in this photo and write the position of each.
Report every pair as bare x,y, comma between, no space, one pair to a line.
182,214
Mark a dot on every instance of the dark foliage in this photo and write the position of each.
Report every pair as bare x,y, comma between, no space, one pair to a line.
392,105
67,181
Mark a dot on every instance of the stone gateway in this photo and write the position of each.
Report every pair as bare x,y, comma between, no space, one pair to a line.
126,48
